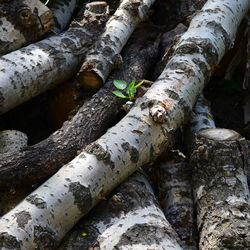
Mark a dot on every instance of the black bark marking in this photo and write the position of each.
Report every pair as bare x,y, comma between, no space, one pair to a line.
82,195
45,238
38,202
100,153
134,154
153,235
22,218
9,241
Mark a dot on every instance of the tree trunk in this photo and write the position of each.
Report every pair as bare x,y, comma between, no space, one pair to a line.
40,66
220,189
173,177
105,54
130,219
38,162
22,22
62,12
49,212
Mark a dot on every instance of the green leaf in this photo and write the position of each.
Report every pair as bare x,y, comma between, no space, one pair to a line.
119,94
139,84
120,84
131,85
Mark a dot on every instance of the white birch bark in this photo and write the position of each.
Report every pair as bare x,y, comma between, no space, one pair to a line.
32,70
130,219
45,216
105,54
62,12
20,24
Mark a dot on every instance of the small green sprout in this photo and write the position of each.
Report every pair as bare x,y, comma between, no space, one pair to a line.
130,89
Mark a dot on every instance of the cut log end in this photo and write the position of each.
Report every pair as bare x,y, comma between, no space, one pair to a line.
219,134
90,79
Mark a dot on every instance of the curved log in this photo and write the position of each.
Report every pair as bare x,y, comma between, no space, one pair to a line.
105,54
220,189
38,162
45,216
130,219
42,65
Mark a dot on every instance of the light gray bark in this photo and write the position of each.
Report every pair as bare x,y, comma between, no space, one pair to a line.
173,176
130,219
45,216
105,54
62,12
12,141
22,22
221,193
40,66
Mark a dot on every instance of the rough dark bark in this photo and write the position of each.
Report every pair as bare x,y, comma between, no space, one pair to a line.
177,9
76,188
35,163
22,22
221,193
130,219
174,177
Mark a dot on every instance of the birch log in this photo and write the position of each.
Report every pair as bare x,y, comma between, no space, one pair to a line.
220,188
36,163
40,66
173,176
130,219
202,119
105,54
62,12
12,141
45,216
22,22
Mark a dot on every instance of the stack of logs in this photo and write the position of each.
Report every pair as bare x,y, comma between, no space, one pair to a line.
97,185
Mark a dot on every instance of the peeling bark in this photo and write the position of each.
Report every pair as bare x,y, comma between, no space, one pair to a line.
62,12
130,219
220,188
38,162
22,22
173,177
134,141
42,65
105,54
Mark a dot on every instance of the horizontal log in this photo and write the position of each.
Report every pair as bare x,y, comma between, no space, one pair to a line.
22,22
38,162
45,216
42,65
130,219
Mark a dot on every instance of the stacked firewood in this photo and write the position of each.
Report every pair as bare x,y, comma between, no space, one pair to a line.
110,178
